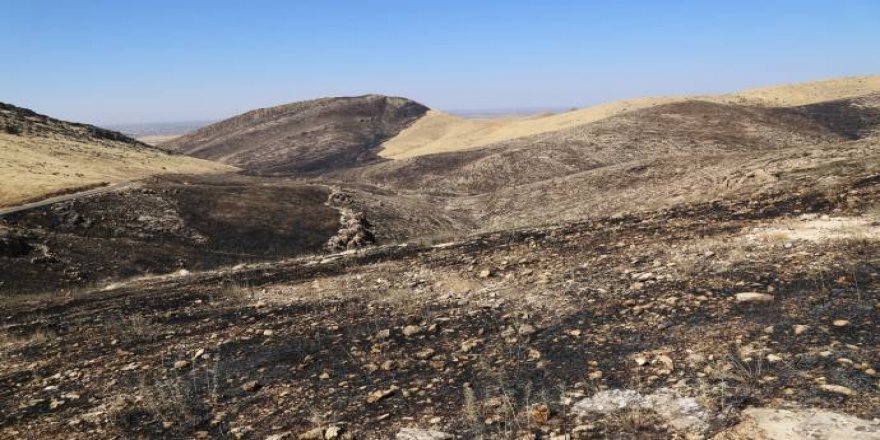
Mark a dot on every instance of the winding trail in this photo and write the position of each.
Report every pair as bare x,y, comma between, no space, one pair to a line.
63,198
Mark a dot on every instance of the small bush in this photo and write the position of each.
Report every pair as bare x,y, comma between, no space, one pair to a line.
15,129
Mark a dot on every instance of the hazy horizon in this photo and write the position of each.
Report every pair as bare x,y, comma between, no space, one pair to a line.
110,63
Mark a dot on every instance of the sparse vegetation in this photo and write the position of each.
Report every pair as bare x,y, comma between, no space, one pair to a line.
659,274
14,129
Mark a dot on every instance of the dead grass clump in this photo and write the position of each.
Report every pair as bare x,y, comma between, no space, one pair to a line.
39,336
236,291
173,404
131,328
777,237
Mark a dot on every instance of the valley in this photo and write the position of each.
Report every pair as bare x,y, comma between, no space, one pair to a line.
369,267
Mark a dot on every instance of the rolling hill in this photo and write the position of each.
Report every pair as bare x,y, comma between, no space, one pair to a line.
307,137
662,268
440,132
41,156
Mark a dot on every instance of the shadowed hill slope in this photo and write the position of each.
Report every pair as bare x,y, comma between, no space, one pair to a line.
671,130
304,137
193,222
40,155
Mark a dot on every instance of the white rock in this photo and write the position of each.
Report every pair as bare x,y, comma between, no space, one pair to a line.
807,423
753,297
421,434
411,330
682,413
837,389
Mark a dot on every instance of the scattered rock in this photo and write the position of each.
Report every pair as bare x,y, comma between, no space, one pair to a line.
540,414
753,297
332,433
808,423
837,389
312,434
682,413
179,365
421,434
411,330
800,329
378,395
526,330
251,386
840,323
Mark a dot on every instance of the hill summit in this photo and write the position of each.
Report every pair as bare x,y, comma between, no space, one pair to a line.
304,137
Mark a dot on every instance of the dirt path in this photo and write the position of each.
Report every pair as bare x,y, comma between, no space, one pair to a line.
65,197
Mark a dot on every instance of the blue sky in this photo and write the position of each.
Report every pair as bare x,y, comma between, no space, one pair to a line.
131,61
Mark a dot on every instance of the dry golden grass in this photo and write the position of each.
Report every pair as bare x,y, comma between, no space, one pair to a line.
33,166
439,132
811,92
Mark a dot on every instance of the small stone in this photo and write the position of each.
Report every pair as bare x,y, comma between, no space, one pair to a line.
332,433
800,329
426,353
837,389
251,386
753,297
467,346
595,375
773,358
667,362
181,365
383,334
485,273
540,414
324,376
268,332
421,434
840,323
411,330
526,330
378,395
645,276
312,434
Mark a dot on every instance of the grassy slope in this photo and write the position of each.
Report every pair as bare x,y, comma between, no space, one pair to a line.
440,132
35,166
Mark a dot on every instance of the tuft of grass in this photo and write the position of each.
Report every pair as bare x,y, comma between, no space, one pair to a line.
131,328
173,404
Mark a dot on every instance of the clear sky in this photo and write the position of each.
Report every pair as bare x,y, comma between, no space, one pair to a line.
129,61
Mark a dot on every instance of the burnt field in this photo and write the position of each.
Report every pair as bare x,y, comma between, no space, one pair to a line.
498,335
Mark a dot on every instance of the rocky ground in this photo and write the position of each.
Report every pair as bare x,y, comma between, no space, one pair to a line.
726,320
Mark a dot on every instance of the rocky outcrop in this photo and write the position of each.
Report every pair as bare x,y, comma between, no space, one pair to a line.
354,232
